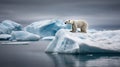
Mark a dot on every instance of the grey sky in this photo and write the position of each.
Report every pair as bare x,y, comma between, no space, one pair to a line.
100,12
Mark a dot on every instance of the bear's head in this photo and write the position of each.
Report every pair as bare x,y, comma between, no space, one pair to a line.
69,22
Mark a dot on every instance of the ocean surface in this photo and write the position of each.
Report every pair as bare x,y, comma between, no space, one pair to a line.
32,54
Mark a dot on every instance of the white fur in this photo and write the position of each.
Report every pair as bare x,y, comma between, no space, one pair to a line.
78,24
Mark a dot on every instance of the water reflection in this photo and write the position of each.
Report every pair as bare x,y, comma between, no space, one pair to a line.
61,60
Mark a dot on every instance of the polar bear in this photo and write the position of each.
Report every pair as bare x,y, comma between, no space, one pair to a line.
78,24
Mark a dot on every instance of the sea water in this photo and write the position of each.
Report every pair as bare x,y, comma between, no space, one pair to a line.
32,54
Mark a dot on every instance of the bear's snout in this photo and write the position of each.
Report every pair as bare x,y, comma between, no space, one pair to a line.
65,22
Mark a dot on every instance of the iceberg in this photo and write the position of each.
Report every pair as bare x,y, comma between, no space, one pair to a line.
91,42
46,27
7,26
23,36
5,36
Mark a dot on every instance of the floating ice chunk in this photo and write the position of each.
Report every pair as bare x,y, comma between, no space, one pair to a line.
48,38
5,36
15,43
46,27
91,42
24,36
7,26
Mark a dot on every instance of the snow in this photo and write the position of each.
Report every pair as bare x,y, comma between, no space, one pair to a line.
7,26
91,42
5,36
46,27
24,36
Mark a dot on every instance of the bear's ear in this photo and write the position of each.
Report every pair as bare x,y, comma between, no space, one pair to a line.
68,20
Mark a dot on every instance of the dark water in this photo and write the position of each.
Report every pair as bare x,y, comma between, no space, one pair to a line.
33,55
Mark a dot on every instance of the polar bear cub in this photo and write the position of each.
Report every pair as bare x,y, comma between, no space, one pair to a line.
78,24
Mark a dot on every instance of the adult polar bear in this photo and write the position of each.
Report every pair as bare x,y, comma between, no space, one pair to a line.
78,24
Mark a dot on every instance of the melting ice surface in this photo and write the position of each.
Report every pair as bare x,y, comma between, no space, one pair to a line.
46,27
7,26
91,42
24,36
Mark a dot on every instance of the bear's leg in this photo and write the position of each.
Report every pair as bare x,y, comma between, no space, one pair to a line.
73,28
83,29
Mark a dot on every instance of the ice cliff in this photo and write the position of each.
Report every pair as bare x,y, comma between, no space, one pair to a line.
91,42
46,27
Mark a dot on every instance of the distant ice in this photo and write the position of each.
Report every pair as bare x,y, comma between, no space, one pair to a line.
48,38
24,36
15,43
7,26
5,36
46,27
91,42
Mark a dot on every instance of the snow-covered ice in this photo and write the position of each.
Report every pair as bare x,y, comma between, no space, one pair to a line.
24,36
46,27
5,36
91,42
7,26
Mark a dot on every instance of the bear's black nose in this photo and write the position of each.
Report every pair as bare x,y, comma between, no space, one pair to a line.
65,23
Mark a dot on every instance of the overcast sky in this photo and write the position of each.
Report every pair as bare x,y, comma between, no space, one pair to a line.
101,12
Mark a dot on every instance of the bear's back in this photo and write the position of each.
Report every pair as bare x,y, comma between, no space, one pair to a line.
80,23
